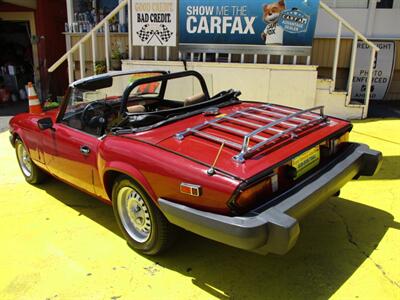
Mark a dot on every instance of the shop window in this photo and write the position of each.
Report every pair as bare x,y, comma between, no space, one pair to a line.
101,6
385,4
87,13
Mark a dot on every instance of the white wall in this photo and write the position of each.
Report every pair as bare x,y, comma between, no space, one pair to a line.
290,85
385,23
283,84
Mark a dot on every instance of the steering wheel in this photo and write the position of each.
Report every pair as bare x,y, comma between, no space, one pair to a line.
95,115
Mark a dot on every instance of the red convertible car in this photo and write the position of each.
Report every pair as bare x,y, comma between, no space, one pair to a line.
166,154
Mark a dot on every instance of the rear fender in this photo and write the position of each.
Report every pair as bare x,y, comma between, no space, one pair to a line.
131,171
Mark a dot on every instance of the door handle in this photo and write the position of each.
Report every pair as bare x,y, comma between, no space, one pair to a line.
85,150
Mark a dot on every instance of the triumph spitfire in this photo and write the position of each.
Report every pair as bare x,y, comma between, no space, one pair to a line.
166,154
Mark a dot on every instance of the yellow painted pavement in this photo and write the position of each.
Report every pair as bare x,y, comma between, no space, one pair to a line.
58,243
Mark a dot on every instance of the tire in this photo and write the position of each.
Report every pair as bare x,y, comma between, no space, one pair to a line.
144,227
32,173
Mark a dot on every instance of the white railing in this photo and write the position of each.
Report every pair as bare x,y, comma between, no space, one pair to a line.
357,36
105,23
202,56
245,54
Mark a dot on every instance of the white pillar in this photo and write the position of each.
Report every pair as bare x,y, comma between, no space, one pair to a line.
371,17
121,15
70,12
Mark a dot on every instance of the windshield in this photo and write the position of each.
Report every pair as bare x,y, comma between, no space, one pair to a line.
80,97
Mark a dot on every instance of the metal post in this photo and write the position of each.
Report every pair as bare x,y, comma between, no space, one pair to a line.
142,52
268,59
255,58
130,30
282,59
94,50
371,16
336,56
295,59
242,58
155,53
70,68
70,58
121,15
82,60
70,13
352,67
168,53
369,82
107,44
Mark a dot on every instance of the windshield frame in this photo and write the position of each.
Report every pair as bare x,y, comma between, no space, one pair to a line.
106,78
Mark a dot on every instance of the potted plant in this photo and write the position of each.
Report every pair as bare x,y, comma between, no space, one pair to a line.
101,67
116,57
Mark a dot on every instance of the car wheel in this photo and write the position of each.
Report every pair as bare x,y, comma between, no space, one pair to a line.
32,173
144,227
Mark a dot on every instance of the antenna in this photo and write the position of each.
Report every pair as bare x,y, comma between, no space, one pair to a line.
211,171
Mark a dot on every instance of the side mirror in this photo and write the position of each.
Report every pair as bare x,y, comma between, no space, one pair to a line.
45,123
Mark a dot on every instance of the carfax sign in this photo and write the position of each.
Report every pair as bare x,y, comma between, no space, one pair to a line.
256,22
154,23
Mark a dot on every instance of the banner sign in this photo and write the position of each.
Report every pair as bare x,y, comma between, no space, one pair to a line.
382,73
256,22
154,23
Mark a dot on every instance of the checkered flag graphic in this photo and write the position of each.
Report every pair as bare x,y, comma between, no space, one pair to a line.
165,34
144,33
162,34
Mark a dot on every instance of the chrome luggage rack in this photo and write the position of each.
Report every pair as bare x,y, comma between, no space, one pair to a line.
286,118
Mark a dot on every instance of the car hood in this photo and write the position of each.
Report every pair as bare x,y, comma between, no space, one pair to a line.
205,151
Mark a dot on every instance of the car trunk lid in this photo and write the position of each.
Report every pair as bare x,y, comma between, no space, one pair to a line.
249,137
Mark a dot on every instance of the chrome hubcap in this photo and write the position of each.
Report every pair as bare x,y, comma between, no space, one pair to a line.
134,214
24,160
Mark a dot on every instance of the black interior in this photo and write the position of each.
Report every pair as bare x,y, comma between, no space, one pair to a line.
100,117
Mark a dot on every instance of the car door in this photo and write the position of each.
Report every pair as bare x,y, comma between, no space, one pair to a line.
71,155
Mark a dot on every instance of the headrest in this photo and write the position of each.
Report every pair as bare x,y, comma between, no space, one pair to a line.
194,99
136,109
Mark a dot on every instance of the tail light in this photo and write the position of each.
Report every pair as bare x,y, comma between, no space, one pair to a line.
256,193
283,177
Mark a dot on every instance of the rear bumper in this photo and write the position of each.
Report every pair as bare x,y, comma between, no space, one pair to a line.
274,227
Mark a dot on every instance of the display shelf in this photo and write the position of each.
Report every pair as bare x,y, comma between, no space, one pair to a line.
83,15
81,34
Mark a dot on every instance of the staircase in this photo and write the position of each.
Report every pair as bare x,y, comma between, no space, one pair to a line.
336,102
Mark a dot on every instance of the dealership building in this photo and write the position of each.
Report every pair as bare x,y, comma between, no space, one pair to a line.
317,74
